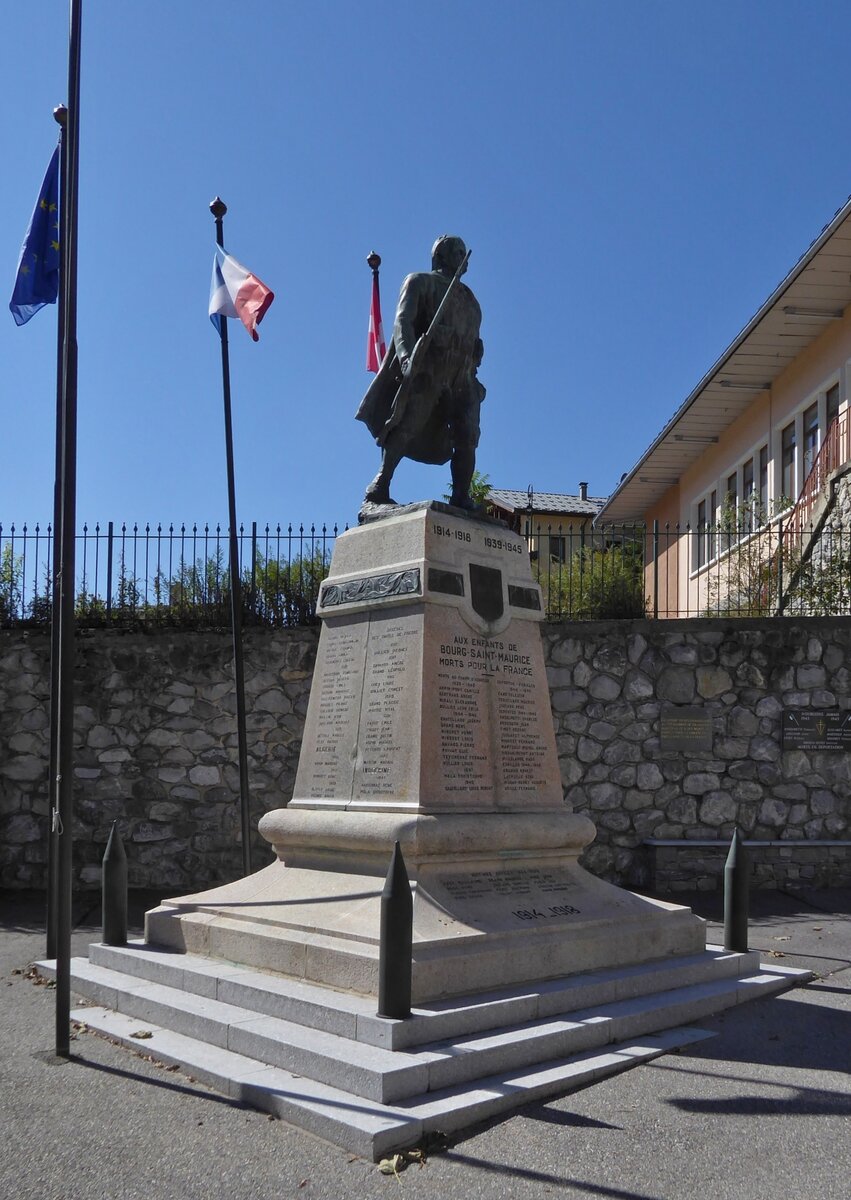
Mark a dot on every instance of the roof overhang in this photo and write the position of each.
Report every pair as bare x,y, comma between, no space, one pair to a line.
812,297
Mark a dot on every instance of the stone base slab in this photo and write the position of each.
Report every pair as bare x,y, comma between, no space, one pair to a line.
498,900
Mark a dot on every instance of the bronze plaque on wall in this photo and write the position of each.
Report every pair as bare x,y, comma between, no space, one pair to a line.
815,730
686,728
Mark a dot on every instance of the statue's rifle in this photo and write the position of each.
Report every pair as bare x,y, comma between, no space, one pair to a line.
400,401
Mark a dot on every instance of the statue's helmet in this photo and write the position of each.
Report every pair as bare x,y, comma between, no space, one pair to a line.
447,253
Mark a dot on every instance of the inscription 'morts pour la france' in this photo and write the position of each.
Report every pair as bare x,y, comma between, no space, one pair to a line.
371,587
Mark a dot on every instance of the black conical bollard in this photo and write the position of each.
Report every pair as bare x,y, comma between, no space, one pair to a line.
736,896
114,887
396,941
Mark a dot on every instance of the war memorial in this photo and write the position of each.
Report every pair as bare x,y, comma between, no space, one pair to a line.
428,730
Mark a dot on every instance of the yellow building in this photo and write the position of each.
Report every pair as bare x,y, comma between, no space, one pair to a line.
740,485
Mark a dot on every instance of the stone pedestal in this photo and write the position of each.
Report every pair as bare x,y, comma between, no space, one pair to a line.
429,723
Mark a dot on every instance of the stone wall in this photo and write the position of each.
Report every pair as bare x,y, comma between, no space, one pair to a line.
609,683
156,738
156,748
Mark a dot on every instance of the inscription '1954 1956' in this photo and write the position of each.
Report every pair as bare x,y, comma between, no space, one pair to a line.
534,914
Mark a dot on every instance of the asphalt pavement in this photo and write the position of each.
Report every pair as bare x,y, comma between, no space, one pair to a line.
761,1110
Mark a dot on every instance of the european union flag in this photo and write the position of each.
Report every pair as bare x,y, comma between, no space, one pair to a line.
37,281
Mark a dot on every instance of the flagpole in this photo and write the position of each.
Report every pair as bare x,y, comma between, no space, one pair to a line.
60,115
65,721
218,208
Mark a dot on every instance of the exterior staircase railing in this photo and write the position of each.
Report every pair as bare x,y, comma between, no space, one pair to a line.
834,453
801,525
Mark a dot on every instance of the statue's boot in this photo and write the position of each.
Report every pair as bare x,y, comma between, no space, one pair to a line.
465,502
462,467
378,491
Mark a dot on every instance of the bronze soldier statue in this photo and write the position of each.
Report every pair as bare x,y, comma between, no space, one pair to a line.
424,401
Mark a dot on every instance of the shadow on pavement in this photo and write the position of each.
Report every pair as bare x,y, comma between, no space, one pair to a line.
803,1102
25,911
516,1171
167,1084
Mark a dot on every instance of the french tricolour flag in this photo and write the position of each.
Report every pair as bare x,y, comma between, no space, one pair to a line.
236,292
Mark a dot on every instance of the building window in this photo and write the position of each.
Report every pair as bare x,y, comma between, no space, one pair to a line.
763,484
556,549
748,496
713,519
731,503
701,534
831,406
787,462
810,438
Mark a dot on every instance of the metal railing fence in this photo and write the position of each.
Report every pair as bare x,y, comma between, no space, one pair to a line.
782,567
178,575
744,566
168,574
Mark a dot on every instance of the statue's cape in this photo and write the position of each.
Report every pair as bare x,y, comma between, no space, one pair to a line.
423,429
426,437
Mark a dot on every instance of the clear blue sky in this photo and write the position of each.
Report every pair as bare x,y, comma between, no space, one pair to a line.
633,178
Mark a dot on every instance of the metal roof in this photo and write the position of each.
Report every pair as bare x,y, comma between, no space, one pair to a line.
814,293
546,502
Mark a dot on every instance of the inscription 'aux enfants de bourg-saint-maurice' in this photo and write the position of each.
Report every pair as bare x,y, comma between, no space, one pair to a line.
484,654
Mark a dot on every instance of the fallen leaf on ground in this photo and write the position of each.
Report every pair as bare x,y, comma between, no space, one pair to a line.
398,1162
392,1166
142,1033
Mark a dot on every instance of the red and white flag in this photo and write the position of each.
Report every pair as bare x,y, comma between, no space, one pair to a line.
375,347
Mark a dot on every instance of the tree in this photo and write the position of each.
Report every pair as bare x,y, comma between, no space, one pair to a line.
11,569
480,489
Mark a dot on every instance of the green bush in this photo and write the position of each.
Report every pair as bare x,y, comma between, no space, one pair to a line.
595,583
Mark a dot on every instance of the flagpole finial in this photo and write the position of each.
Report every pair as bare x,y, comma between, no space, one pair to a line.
373,260
218,208
60,115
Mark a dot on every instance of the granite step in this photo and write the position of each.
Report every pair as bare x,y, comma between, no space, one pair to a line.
389,1076
369,1071
364,1126
353,1016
